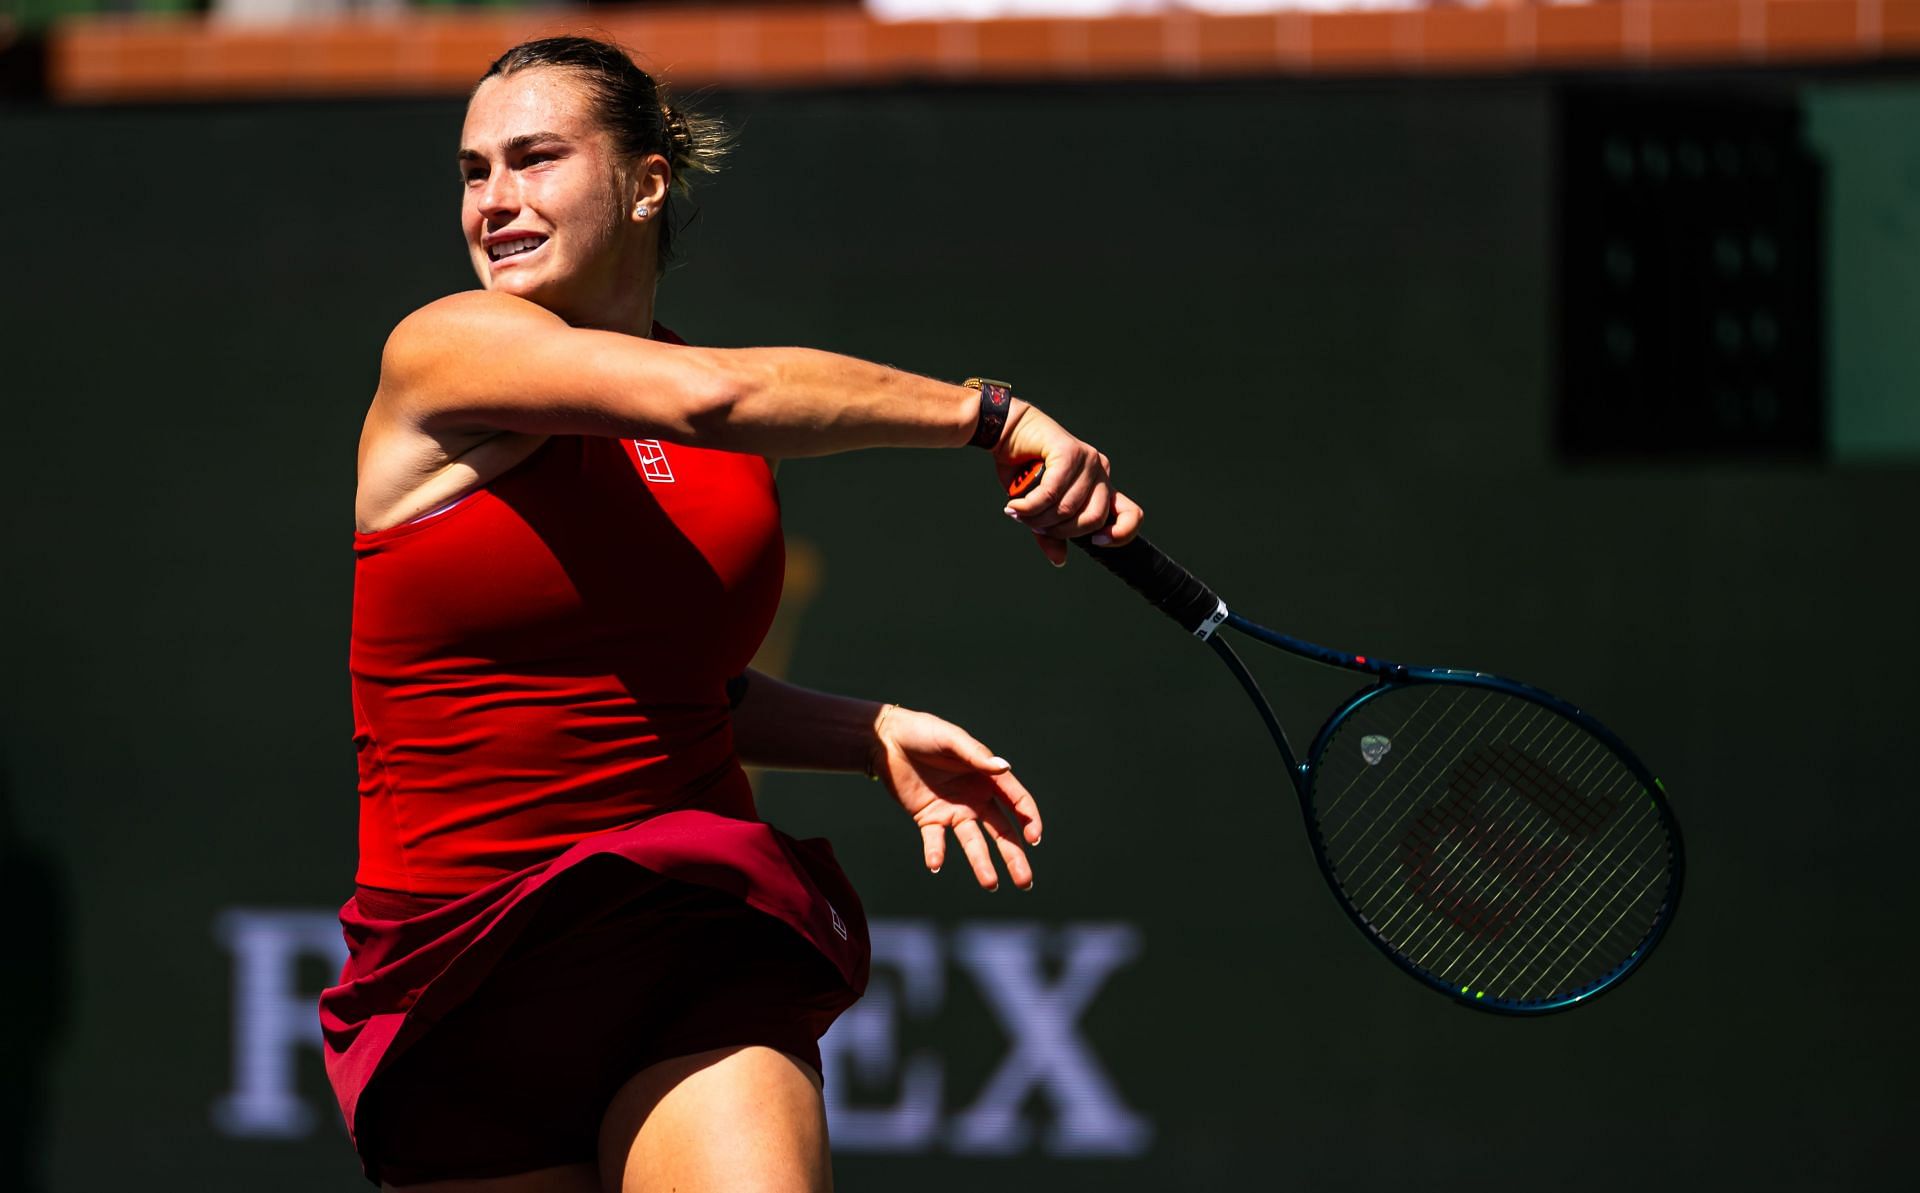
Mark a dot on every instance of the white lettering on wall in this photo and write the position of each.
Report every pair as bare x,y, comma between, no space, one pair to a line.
1041,1021
1007,961
864,1044
272,1020
1039,1018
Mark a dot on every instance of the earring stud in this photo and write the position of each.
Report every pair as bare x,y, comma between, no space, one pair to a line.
639,211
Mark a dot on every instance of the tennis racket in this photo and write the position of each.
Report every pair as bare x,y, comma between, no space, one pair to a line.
1494,841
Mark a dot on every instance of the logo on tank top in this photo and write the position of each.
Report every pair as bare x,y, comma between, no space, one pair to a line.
653,461
839,925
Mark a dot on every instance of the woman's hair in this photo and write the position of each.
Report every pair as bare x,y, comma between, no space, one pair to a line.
636,110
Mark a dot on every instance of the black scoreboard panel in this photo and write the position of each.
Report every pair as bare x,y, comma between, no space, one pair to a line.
1690,282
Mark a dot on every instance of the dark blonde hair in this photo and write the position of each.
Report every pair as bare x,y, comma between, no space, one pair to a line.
634,109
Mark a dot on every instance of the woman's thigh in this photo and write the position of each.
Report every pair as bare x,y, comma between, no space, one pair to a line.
741,1119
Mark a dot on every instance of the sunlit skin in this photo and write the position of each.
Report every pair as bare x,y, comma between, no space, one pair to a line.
533,159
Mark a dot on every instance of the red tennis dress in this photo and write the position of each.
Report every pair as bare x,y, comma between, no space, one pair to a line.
562,875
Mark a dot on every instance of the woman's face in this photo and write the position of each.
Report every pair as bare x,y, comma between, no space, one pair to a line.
544,212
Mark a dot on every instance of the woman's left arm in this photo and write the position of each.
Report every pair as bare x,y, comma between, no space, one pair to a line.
936,771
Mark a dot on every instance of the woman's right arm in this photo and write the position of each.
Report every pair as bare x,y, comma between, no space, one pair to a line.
480,361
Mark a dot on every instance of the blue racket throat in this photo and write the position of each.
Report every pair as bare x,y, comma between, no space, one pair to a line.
1497,843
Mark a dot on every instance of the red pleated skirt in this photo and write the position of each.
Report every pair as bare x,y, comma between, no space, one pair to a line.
484,1035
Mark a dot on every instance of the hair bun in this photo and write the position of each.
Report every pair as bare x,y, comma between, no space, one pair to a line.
679,136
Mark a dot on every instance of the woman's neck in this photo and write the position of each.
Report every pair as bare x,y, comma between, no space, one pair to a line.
631,313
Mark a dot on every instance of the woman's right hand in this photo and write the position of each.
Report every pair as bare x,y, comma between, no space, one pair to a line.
1075,495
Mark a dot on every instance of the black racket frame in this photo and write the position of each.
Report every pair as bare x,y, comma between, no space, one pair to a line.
1197,609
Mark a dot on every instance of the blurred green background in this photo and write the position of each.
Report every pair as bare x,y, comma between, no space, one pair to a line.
1314,327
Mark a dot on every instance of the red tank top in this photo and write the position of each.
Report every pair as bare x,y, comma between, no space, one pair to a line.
547,658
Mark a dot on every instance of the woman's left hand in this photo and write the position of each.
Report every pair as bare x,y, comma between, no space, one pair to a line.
946,780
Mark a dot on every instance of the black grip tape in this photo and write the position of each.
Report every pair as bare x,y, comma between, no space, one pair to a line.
1167,586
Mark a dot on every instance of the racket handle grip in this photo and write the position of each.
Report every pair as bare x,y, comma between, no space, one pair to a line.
1166,585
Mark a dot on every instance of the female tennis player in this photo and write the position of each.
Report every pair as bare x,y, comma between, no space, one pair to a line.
578,959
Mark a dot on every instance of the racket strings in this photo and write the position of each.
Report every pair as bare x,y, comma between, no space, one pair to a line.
1365,840
1442,763
1489,958
1513,813
1480,966
1495,843
1418,748
1526,952
1513,950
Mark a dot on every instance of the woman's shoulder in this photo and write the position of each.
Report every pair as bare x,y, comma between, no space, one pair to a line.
463,315
450,344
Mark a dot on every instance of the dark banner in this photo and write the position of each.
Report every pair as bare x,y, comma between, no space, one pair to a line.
1311,327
